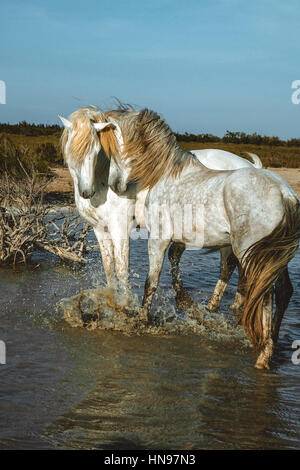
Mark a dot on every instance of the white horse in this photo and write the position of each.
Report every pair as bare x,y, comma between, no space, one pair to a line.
214,159
86,146
223,160
85,140
253,210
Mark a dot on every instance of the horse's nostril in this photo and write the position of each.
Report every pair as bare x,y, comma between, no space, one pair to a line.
86,194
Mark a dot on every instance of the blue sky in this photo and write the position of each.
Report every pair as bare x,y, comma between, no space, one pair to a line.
205,65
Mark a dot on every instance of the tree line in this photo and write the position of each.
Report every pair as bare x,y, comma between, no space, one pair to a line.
238,138
25,128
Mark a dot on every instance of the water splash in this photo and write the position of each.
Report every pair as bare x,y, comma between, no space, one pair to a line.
105,309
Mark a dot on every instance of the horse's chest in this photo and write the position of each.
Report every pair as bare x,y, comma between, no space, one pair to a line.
88,212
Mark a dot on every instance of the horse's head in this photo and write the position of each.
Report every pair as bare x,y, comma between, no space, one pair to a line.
85,134
118,174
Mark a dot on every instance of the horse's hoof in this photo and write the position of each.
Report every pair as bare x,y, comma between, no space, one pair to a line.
143,317
236,307
196,312
130,312
214,303
212,307
183,305
183,300
262,365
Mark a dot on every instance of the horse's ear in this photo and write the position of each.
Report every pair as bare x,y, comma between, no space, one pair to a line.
67,124
108,139
99,126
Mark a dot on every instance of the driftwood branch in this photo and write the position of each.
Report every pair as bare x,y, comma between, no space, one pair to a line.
27,225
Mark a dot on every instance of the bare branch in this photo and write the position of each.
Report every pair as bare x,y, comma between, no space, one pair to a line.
26,224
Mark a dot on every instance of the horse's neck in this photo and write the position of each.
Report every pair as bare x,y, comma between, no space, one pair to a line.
192,159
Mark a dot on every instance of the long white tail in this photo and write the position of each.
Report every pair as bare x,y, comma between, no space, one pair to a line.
256,160
262,264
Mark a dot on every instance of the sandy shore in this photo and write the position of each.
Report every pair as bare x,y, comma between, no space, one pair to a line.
63,183
291,175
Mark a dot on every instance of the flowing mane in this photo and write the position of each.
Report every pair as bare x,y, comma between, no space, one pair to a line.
149,144
84,134
150,147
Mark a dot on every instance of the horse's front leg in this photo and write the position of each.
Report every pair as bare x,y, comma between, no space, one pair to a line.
121,255
156,252
120,239
227,266
119,226
183,299
107,254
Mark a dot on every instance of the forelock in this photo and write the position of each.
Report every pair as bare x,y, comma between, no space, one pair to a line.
83,134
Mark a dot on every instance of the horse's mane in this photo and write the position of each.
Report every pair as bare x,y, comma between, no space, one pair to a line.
84,134
150,147
149,144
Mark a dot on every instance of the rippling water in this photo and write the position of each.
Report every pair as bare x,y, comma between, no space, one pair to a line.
71,388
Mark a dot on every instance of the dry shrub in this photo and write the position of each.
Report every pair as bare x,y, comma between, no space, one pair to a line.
271,156
27,225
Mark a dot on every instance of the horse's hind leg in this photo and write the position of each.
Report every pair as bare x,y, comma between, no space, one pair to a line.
227,266
183,300
156,251
240,293
283,293
268,343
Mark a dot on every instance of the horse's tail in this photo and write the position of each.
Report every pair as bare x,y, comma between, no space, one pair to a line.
256,160
262,264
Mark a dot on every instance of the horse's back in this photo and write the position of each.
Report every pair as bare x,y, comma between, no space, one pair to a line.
259,183
245,204
220,159
193,201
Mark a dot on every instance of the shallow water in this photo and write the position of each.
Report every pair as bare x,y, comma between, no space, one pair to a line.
72,388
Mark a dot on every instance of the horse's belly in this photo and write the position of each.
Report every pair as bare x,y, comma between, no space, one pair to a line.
203,236
197,224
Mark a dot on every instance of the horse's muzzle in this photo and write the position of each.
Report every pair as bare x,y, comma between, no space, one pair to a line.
87,194
118,187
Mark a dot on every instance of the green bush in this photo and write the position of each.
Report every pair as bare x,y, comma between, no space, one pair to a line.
11,154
